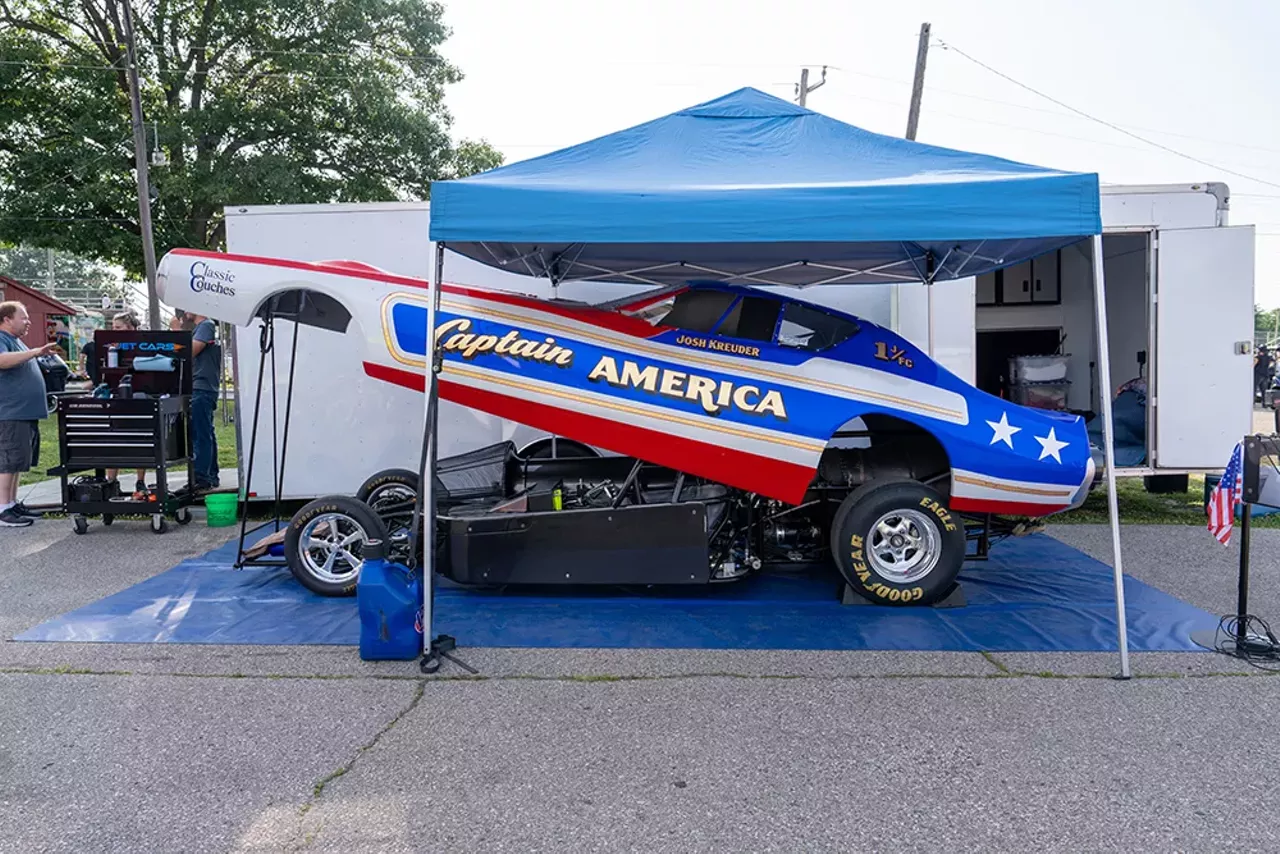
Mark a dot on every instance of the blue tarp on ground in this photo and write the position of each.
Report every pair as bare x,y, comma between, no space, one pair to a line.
1034,595
748,182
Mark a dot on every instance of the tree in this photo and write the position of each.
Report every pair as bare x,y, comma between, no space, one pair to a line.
1264,321
62,275
250,102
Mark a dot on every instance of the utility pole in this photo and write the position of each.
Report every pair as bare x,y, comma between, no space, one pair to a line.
803,90
140,158
913,122
917,89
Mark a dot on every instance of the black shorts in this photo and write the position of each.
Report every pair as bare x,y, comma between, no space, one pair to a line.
19,446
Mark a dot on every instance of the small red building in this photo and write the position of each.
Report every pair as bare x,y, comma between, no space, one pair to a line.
49,318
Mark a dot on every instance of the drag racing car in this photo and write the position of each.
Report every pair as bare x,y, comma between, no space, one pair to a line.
710,429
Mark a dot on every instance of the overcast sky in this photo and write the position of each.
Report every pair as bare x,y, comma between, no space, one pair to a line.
1198,77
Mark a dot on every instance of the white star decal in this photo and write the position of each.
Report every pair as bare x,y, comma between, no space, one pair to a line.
1003,430
1050,446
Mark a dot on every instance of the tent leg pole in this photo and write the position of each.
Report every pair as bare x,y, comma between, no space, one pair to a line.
429,473
1109,448
434,649
929,296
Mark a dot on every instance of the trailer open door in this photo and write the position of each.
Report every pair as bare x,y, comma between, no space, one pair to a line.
1204,319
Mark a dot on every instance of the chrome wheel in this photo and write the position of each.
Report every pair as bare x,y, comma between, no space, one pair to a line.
332,545
904,546
394,503
393,499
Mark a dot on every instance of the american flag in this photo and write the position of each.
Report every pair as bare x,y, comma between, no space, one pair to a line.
1226,497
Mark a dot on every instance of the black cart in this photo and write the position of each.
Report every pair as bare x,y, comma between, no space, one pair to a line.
96,434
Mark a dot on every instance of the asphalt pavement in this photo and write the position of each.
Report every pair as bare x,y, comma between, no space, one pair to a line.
165,747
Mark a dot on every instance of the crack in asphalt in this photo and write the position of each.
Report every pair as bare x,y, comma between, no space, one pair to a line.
1003,672
995,662
304,837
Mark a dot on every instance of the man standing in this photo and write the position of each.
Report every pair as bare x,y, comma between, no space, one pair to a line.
1261,372
206,378
22,407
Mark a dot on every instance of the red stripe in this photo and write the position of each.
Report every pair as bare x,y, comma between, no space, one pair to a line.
1004,508
768,477
357,270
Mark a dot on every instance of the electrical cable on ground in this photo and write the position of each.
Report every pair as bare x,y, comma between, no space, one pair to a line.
1260,644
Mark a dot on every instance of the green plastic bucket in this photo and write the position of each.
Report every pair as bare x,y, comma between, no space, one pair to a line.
221,509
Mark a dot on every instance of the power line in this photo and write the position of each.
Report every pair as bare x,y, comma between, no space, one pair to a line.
1104,122
1027,107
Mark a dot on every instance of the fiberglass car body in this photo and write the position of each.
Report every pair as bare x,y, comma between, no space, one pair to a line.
785,429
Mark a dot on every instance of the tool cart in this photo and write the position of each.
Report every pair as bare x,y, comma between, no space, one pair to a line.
137,418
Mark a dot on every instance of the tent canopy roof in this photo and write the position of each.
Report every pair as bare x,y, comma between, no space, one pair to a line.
754,189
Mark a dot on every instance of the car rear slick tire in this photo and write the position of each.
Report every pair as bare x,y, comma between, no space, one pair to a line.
392,494
324,543
897,543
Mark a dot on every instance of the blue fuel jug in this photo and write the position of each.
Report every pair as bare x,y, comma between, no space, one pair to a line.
389,598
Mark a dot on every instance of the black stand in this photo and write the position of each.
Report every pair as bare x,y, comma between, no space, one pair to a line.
955,597
441,647
1237,640
279,446
1241,642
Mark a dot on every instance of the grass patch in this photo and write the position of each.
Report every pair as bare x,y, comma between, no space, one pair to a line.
1139,507
48,453
226,436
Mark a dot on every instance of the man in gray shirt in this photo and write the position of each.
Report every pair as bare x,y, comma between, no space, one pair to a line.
206,378
22,407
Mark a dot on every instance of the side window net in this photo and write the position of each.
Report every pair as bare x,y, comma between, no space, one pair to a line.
697,310
752,319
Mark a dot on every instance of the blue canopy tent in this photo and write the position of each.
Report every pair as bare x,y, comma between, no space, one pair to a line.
751,189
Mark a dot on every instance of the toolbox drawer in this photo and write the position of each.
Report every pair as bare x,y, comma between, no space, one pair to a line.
112,432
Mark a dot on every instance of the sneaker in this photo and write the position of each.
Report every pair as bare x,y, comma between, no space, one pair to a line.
10,519
23,510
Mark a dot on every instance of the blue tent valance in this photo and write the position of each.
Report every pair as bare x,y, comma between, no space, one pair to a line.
755,189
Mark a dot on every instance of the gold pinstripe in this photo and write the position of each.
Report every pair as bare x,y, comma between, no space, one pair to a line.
1025,490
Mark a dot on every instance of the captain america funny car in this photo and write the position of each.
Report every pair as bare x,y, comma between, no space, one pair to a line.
713,428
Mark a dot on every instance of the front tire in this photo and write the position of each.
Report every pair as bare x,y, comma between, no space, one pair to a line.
896,543
324,543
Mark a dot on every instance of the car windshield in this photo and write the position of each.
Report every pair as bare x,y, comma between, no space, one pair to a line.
805,327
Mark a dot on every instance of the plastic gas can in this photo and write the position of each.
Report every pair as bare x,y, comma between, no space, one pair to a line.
389,598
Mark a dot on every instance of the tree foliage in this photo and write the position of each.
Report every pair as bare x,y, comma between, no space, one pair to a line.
69,273
1264,319
250,102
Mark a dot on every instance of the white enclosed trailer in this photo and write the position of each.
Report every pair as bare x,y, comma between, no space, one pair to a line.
1180,298
345,426
1179,284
